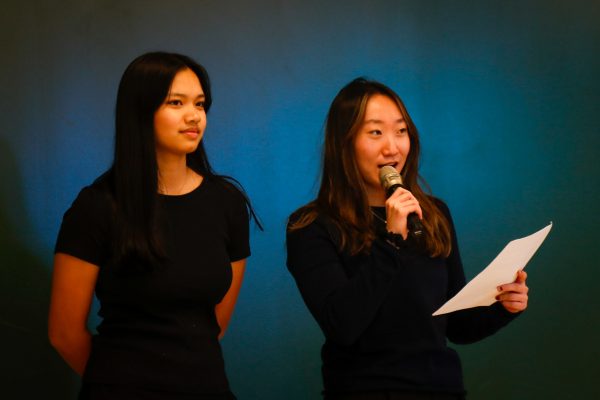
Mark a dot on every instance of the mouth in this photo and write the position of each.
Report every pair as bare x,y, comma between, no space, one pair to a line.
190,129
391,164
191,132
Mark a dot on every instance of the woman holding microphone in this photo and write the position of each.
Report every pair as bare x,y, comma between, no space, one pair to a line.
367,278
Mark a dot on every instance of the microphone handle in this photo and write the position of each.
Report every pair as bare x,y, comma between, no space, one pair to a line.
415,227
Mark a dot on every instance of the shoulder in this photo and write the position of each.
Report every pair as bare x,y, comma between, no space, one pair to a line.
227,196
95,198
441,205
309,220
224,188
86,226
304,216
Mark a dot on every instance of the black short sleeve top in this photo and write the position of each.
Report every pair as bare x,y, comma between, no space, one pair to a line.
159,328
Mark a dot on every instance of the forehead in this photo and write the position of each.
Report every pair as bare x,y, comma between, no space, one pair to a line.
186,82
382,108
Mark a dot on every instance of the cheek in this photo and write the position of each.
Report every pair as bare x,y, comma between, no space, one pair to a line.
159,131
359,156
405,149
165,127
165,119
159,123
365,160
363,151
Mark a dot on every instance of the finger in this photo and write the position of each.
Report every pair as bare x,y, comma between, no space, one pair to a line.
514,307
513,288
408,200
514,301
419,211
520,301
519,280
521,276
403,196
513,297
405,208
398,192
401,202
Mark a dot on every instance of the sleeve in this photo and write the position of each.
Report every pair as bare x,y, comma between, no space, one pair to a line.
473,324
238,245
84,232
343,306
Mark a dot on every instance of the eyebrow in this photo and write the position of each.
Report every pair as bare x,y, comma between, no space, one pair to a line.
200,96
378,121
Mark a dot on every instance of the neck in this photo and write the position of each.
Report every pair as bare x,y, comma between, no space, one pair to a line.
376,198
173,176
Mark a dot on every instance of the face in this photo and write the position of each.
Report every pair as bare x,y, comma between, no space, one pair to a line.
381,140
180,121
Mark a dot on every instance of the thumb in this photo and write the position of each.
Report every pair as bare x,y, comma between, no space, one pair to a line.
521,276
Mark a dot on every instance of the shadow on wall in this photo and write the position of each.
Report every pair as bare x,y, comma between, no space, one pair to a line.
29,366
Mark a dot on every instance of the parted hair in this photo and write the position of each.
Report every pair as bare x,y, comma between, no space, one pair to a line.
342,196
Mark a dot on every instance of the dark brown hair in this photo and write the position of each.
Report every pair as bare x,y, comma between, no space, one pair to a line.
342,195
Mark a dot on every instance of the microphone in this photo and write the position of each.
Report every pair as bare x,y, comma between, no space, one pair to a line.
391,180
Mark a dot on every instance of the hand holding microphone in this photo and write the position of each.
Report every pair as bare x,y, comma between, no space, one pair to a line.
400,200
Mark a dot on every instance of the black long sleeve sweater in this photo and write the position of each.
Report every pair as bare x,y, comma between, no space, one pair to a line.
375,311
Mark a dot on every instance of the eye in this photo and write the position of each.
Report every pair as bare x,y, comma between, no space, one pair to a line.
403,131
200,104
174,102
375,132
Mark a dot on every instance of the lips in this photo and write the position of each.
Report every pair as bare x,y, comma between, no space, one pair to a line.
192,133
392,164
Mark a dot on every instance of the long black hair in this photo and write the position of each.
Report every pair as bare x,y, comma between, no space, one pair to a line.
133,176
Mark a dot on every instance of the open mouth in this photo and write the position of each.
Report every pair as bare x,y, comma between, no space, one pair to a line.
391,164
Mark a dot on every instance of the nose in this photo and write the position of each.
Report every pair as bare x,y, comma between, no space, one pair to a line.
390,146
193,115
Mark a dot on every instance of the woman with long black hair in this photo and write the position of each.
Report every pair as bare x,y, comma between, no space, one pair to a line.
161,240
369,282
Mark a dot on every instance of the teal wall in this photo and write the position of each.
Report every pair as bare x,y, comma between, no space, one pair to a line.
506,96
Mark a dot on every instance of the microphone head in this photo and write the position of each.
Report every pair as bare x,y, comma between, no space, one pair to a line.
388,176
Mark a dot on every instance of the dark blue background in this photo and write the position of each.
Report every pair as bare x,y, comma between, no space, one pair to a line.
506,97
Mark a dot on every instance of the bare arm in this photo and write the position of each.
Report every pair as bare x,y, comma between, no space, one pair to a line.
73,282
224,309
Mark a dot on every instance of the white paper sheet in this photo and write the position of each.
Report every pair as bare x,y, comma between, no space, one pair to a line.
482,290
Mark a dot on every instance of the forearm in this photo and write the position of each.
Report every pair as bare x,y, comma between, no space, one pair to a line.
223,313
224,310
73,283
348,311
474,324
74,348
343,303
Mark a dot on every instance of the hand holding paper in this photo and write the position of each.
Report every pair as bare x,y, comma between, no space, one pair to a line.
482,290
514,295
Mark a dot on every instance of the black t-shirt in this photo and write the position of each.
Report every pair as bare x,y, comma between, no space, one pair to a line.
159,328
375,311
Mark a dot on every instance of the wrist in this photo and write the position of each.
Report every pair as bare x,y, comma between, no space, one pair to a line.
395,239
